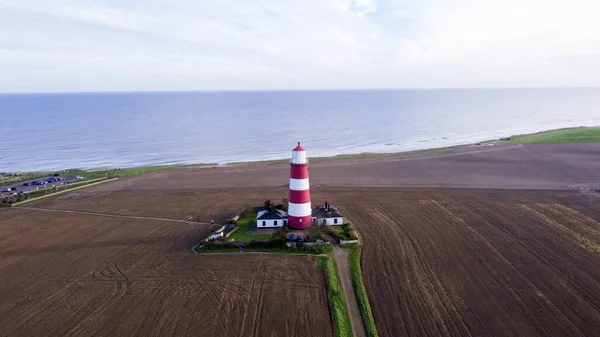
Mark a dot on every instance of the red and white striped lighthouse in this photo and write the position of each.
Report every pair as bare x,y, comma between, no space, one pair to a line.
299,210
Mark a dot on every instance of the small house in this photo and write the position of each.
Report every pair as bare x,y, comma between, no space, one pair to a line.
271,219
327,215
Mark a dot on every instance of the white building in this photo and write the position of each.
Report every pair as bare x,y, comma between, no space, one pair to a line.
326,215
215,236
276,218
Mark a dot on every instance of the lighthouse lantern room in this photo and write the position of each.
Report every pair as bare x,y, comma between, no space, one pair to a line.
299,209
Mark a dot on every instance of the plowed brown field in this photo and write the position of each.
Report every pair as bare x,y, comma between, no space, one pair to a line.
450,262
68,274
480,263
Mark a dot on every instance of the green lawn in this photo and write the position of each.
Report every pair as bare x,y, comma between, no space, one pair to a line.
341,318
576,135
245,225
122,173
339,229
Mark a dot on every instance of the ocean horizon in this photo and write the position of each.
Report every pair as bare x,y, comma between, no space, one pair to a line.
54,131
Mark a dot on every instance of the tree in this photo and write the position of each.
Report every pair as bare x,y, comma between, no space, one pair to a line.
284,202
316,233
280,233
268,205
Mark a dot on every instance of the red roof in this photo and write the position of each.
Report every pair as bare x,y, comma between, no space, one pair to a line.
299,148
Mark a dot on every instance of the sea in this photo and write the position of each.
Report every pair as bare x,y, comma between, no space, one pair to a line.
41,132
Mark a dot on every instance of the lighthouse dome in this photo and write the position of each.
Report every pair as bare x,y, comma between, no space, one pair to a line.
299,148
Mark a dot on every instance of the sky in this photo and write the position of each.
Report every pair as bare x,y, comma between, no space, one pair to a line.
148,45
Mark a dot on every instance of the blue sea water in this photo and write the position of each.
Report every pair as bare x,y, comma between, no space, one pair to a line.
57,131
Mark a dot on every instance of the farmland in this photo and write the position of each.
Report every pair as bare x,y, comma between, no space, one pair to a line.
480,263
71,274
475,241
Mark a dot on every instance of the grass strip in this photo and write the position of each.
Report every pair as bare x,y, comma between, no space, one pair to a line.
361,292
575,135
339,309
121,173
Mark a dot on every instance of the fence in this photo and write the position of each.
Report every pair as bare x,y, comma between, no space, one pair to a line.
231,231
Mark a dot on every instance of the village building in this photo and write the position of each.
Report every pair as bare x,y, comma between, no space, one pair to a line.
326,215
271,219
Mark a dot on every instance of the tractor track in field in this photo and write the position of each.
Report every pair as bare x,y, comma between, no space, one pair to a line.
112,215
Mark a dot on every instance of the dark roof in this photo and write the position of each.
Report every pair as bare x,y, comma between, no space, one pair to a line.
274,215
320,212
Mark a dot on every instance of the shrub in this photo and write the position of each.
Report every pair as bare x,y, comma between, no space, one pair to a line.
273,243
280,233
352,234
315,233
220,245
331,232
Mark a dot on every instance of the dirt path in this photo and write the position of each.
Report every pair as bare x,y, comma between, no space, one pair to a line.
111,215
341,259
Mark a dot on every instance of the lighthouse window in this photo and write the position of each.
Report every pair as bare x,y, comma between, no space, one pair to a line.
264,223
275,223
334,220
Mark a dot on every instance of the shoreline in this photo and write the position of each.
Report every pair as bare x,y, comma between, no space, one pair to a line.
489,142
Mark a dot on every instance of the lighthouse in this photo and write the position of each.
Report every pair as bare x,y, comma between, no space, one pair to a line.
299,210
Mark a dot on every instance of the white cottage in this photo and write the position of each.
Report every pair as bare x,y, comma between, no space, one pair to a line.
276,218
326,215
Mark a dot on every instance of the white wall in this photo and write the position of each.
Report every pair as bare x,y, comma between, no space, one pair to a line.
298,157
299,209
269,223
215,236
331,221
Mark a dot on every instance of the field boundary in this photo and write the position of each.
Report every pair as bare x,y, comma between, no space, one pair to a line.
109,215
361,292
337,300
65,191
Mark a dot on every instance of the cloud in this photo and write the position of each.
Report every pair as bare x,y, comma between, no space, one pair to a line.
66,45
363,7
